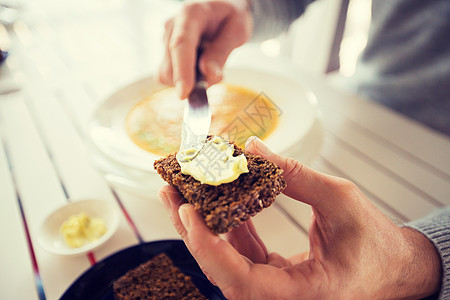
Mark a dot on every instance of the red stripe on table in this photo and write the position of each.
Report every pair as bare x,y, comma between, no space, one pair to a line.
37,275
127,216
91,258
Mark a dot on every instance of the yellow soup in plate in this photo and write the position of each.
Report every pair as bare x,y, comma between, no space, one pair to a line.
154,123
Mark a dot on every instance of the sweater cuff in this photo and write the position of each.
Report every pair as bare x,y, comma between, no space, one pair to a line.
436,227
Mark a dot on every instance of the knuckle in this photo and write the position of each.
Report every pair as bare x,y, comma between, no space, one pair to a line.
193,8
180,229
177,41
215,80
168,24
345,185
198,249
183,234
201,248
293,168
189,6
163,78
164,74
345,188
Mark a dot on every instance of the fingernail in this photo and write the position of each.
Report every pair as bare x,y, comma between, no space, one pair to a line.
249,141
165,201
214,68
179,88
262,148
184,216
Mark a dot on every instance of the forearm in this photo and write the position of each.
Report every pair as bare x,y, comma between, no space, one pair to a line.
272,17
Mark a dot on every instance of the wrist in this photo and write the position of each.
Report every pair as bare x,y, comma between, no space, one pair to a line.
420,271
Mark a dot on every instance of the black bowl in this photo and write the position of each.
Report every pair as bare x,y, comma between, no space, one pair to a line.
97,282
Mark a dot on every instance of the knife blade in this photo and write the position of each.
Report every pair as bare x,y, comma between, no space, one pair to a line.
196,119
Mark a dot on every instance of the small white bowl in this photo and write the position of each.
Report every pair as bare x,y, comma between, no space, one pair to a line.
52,240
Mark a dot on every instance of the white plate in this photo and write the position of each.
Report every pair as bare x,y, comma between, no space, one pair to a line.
298,107
51,239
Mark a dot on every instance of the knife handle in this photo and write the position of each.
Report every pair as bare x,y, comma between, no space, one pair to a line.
198,74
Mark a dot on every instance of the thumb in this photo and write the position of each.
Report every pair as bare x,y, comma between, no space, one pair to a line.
212,61
211,67
321,191
217,258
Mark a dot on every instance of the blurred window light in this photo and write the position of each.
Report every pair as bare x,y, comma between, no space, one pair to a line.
271,47
355,35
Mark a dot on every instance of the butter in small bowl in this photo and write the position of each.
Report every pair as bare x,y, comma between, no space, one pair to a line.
79,227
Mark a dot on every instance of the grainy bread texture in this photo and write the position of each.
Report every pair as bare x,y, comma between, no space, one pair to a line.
156,279
228,205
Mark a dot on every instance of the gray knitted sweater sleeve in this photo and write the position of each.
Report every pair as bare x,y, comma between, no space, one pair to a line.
437,228
406,63
272,17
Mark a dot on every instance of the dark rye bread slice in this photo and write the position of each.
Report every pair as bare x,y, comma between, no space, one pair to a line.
228,205
156,279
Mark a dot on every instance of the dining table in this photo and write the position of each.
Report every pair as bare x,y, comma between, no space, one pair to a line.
66,57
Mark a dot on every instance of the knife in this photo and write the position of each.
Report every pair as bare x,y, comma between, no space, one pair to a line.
196,118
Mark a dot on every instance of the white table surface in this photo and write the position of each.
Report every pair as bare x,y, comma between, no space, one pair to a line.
66,57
